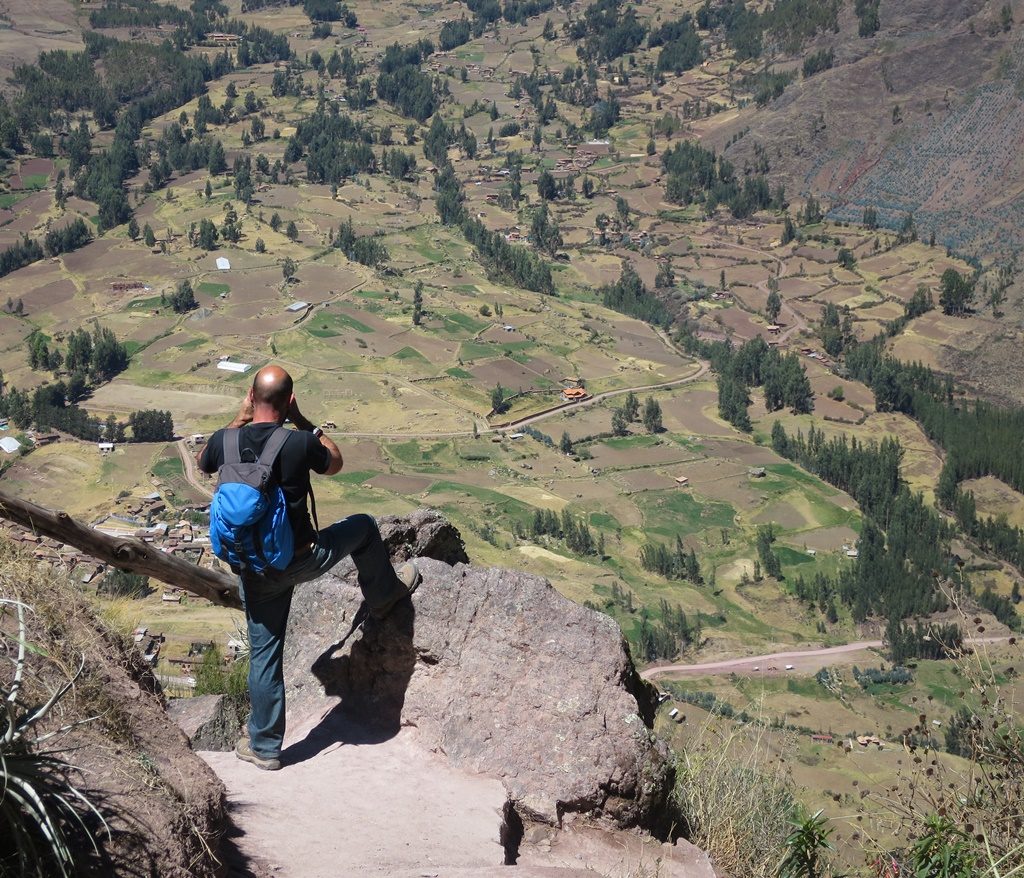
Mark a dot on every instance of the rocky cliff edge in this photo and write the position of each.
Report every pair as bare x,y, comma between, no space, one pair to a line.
497,671
487,721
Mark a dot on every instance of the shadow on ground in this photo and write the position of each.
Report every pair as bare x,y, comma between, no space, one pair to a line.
369,671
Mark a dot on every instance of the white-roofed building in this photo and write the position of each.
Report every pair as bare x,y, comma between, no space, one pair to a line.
223,264
9,444
228,366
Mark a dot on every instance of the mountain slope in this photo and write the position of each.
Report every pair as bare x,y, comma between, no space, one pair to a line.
922,118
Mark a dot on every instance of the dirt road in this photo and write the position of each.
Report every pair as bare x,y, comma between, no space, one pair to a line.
802,660
196,479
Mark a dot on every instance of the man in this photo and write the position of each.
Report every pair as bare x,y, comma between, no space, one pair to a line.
267,598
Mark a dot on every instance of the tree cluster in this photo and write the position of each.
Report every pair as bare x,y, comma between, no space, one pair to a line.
97,355
24,252
366,250
151,425
72,236
696,174
575,533
766,85
486,12
329,10
666,640
835,329
675,563
506,261
766,553
922,641
402,83
183,299
335,147
454,33
681,45
607,30
630,296
904,545
868,21
544,231
956,293
752,364
784,25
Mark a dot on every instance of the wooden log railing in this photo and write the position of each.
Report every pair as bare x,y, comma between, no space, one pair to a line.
126,553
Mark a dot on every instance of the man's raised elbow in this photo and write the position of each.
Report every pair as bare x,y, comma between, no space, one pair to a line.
335,466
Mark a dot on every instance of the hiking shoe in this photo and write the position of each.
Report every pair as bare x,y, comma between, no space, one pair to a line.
244,752
409,575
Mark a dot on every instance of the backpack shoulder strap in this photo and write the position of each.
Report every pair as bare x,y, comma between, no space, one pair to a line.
273,447
312,507
232,445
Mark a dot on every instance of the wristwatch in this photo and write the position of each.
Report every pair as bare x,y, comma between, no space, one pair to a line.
317,432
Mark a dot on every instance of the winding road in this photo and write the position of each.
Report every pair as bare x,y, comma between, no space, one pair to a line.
703,369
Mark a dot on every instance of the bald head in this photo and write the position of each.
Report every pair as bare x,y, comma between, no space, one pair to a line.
272,387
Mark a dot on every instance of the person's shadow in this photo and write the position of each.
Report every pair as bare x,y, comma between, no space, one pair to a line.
369,671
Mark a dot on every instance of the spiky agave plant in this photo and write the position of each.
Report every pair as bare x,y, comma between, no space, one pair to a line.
42,814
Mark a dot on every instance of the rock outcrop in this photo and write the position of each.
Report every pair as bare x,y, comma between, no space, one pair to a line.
424,533
497,671
212,722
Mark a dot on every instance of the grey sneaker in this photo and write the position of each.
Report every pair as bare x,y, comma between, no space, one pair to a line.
244,752
409,575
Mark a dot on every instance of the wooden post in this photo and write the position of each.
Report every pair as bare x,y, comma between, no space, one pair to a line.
126,553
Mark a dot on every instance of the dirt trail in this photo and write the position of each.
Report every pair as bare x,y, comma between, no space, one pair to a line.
356,806
802,660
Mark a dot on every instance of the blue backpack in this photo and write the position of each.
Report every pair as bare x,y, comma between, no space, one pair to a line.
249,526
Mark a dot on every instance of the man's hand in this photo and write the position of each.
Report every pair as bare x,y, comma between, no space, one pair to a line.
294,415
300,421
245,413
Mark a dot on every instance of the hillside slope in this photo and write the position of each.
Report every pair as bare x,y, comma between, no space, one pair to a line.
164,808
924,118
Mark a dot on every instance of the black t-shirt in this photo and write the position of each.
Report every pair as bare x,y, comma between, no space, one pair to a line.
301,453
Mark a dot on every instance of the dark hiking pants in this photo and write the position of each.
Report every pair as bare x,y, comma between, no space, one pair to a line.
267,600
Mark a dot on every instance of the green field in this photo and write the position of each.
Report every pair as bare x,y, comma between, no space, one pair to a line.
210,288
330,324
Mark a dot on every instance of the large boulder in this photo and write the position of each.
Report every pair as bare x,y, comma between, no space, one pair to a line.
498,672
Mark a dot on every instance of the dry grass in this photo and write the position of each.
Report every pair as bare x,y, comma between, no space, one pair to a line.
736,798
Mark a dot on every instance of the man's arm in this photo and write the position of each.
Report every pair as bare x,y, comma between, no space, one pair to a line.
243,417
301,422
